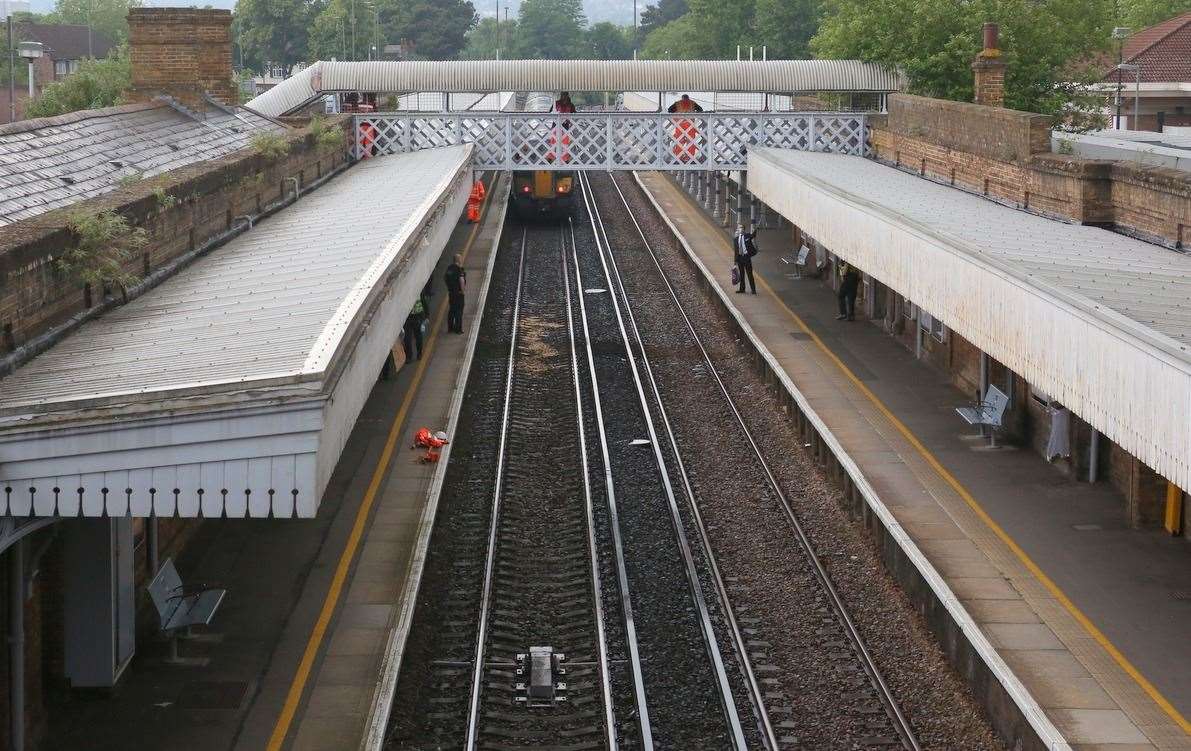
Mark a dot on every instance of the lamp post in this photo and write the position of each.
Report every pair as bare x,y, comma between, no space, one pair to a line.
30,51
1136,92
1119,33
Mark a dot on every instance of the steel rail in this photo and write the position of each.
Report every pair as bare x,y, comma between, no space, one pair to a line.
490,562
601,638
902,725
756,694
622,575
726,696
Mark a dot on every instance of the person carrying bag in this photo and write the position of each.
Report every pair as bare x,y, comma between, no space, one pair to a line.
745,247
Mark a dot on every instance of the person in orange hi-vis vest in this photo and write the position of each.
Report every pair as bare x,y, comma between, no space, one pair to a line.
367,140
562,105
686,135
474,200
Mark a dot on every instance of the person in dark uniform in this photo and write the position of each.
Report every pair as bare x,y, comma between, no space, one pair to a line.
746,247
456,279
411,332
849,284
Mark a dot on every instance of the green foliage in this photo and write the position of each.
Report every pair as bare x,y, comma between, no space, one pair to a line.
678,40
327,135
1138,14
550,29
132,178
607,41
105,244
273,31
269,144
109,17
935,41
97,83
438,28
785,27
163,199
656,16
482,40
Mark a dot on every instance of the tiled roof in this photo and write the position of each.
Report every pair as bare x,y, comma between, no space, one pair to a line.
64,41
1163,52
53,162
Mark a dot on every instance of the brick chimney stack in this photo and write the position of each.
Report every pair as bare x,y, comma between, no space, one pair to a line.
183,53
989,69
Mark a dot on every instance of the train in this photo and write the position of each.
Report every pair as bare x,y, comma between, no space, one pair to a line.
542,194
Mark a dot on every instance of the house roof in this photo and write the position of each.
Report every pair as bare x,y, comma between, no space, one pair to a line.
65,41
1163,51
51,162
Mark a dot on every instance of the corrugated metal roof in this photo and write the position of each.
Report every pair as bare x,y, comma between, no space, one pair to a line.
274,303
1100,321
576,75
48,163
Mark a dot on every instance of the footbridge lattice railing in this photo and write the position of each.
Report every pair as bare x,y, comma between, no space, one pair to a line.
611,140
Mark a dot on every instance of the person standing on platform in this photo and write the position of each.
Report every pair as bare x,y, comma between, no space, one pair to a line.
745,247
849,284
411,333
456,279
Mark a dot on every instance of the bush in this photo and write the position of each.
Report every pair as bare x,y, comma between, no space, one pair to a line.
269,144
97,83
105,244
327,136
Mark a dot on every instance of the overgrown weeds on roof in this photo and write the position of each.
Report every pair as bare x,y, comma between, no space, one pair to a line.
164,200
327,135
106,242
270,145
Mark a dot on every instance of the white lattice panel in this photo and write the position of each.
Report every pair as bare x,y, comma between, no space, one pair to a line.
611,140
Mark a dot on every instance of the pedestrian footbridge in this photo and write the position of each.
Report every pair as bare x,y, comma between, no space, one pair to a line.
611,140
231,388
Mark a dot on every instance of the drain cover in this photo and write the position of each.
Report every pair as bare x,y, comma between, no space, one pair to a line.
213,695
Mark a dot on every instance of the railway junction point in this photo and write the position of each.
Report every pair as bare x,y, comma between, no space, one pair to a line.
238,386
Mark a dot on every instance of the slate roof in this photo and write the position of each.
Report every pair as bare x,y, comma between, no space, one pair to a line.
52,162
64,41
1163,51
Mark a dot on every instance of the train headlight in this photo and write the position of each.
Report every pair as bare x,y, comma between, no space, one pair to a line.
564,186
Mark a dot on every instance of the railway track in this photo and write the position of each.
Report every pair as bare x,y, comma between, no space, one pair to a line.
578,593
850,654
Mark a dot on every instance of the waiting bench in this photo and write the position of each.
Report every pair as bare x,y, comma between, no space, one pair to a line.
988,412
179,608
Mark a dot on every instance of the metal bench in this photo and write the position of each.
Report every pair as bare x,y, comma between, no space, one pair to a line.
180,608
987,413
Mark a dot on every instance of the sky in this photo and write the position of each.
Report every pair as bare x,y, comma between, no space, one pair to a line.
617,11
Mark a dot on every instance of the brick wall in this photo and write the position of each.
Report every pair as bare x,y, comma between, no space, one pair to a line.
182,52
35,297
1005,155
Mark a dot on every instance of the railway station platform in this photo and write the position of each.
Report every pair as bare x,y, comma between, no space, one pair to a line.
1090,614
301,636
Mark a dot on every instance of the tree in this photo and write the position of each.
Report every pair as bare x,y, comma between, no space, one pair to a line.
656,16
439,28
482,41
273,31
786,26
109,17
935,41
97,83
720,25
677,40
550,29
1138,14
607,41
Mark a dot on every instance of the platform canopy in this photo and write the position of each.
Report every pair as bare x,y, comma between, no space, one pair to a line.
231,388
1099,321
484,76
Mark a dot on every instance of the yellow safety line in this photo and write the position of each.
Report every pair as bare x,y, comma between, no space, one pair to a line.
955,484
298,686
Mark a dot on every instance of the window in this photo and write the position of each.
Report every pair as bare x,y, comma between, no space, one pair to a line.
63,68
909,310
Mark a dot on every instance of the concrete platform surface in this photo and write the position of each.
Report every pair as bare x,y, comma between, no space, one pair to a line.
1092,616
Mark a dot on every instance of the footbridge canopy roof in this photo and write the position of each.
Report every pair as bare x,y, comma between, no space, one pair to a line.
483,76
1099,321
230,388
